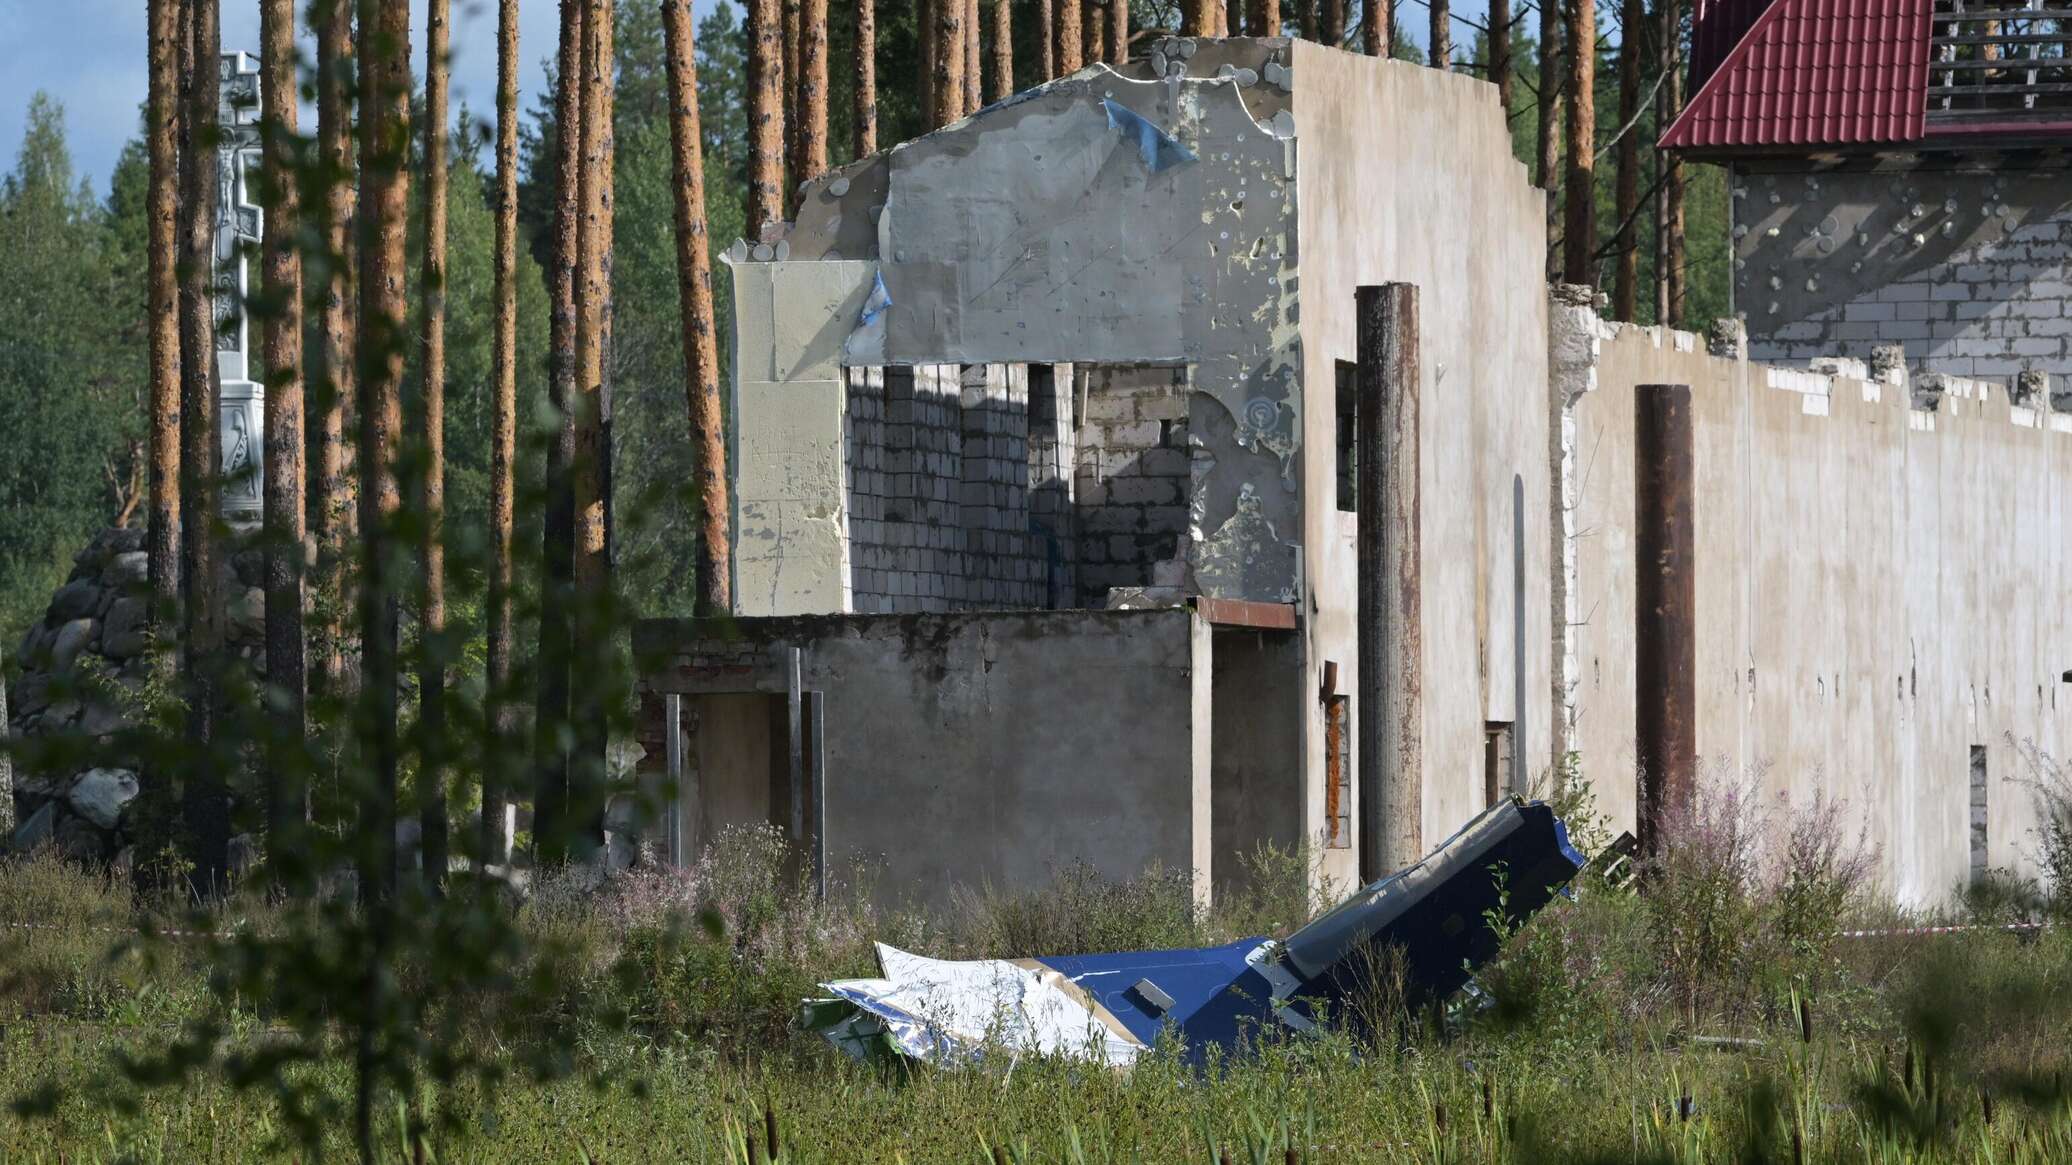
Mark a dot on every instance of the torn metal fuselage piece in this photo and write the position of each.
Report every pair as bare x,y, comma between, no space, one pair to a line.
1445,914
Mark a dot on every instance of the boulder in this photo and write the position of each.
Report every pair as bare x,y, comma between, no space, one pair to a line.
246,614
123,632
101,718
72,638
127,571
37,829
30,696
81,841
35,646
73,600
100,795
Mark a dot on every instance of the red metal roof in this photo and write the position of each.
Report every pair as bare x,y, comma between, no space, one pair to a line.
1807,73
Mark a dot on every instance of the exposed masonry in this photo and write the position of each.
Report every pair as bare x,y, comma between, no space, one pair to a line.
1965,269
1132,479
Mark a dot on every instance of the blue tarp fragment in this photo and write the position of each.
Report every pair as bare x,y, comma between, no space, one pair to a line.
876,302
1159,149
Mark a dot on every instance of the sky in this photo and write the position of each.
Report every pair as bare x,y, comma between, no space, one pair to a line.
89,55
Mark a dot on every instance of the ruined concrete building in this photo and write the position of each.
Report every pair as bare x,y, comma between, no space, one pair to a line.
1046,528
1898,176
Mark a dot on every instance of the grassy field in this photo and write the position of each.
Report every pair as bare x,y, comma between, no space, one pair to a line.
1712,1018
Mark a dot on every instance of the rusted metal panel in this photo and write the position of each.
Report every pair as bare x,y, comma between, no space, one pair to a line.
1391,614
1807,73
1665,605
1247,613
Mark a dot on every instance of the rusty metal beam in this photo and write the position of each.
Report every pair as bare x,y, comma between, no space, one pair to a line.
1391,617
1665,604
1246,613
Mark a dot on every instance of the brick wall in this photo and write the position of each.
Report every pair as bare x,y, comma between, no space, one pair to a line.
1130,477
1966,269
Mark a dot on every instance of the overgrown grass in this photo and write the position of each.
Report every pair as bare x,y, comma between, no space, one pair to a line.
1708,1015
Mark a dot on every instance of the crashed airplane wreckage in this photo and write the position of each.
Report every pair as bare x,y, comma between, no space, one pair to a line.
1511,859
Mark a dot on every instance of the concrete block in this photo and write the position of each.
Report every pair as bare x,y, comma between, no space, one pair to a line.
1868,312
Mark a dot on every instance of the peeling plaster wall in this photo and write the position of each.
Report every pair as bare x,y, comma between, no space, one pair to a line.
1047,229
1966,267
1407,175
976,750
1874,584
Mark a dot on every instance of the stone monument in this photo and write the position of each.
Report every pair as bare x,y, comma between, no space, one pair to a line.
241,399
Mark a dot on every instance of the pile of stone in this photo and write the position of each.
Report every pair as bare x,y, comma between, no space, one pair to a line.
82,671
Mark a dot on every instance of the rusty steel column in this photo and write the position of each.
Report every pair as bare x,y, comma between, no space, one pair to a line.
1391,622
1665,715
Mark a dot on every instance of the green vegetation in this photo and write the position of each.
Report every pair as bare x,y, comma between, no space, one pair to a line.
1711,1016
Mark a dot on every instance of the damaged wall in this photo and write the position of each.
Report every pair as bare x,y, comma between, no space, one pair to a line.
980,750
1388,200
1100,217
1871,576
1964,265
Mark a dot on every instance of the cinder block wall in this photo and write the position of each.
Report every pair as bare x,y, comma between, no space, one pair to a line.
1966,268
1131,478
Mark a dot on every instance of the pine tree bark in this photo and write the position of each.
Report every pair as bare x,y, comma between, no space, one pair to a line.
557,526
1500,52
864,115
794,112
1626,196
765,114
592,446
287,797
1047,37
1003,52
332,497
503,441
1198,17
431,667
809,157
205,797
949,61
1377,25
1547,160
974,54
694,294
1579,219
162,226
1118,52
1093,30
1312,23
1331,23
384,336
1439,50
1065,36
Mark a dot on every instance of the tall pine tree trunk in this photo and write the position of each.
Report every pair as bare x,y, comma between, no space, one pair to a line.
205,796
332,498
431,666
287,798
384,207
1377,27
592,448
162,227
1579,220
1440,50
1265,19
1500,52
1047,42
1118,52
1547,160
949,61
1093,25
794,114
863,118
1065,36
503,441
1003,51
1331,23
557,526
1670,271
809,155
694,294
765,114
974,53
1626,182
1197,17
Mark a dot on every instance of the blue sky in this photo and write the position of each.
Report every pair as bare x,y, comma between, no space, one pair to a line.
89,54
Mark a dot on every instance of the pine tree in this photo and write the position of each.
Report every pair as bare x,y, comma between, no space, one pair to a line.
864,120
332,495
1579,222
766,81
1626,183
503,439
431,423
163,296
